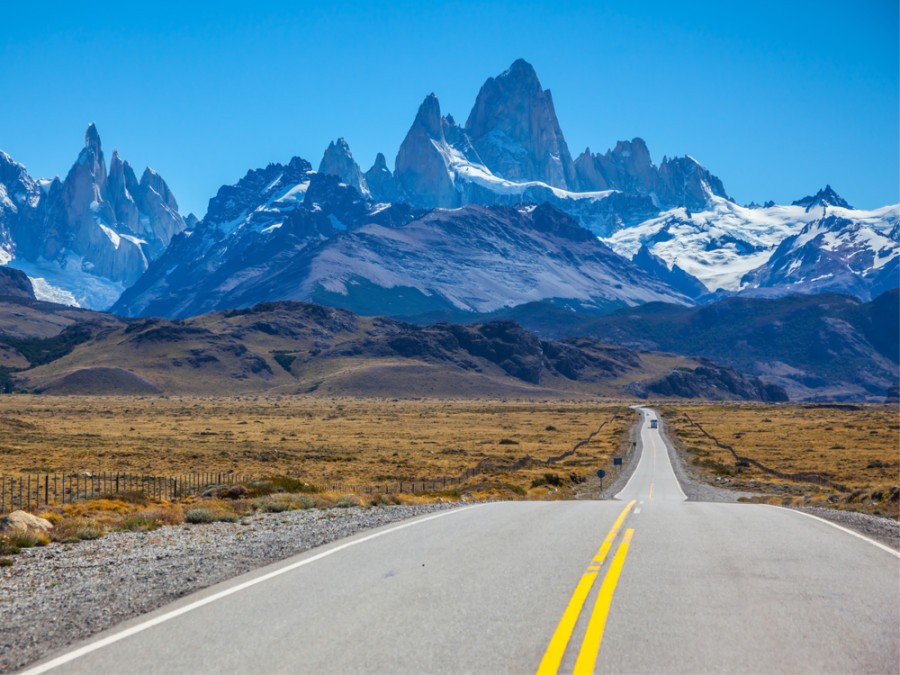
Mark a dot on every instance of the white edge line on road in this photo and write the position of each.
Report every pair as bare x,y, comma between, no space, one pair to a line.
894,553
99,644
641,410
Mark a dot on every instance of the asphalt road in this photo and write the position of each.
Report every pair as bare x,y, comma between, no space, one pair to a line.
647,582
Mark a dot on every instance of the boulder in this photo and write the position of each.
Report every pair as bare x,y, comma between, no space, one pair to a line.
22,522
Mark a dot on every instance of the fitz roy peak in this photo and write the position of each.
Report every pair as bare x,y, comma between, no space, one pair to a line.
514,129
85,239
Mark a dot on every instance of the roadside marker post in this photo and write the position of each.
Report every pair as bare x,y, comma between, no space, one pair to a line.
600,474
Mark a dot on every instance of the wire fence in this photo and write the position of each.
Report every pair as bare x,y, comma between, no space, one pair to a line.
32,491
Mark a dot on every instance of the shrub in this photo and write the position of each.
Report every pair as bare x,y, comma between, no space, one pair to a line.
197,516
508,441
6,562
203,515
275,507
71,530
551,479
170,514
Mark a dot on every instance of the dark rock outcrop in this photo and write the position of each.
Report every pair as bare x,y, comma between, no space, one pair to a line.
15,283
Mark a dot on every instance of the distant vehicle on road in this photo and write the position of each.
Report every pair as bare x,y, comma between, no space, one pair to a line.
654,423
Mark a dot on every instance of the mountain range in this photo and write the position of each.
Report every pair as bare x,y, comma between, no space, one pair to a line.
489,219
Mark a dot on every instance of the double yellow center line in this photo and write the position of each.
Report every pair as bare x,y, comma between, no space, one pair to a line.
587,655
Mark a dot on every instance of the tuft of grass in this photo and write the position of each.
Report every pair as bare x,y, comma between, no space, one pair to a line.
6,562
139,523
9,549
26,540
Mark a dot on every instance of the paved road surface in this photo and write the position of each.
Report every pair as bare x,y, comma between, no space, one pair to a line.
644,583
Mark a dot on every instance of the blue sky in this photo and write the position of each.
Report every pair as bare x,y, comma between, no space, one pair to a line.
776,98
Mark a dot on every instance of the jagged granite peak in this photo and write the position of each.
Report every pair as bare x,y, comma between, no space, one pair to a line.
627,167
514,128
122,187
824,197
338,161
686,182
84,239
92,138
381,182
421,169
677,182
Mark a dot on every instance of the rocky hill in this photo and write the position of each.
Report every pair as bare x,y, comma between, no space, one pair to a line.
816,347
295,348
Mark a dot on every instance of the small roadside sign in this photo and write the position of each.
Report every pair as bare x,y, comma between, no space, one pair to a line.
600,473
617,461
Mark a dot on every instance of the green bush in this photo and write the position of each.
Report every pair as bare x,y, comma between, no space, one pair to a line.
197,516
6,562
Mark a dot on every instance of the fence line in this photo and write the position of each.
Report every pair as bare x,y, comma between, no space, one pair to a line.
34,490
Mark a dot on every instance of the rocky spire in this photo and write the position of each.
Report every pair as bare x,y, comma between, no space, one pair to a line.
824,197
381,181
513,127
422,172
338,161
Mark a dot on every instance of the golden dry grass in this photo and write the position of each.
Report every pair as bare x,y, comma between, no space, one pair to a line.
323,441
857,447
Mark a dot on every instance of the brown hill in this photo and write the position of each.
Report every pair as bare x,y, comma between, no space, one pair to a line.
297,348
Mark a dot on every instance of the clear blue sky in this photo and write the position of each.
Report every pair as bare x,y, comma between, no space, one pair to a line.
776,98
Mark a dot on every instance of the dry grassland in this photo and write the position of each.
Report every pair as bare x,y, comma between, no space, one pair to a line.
353,441
853,447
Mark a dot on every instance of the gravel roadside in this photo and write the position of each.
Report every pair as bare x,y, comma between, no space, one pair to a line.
56,595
